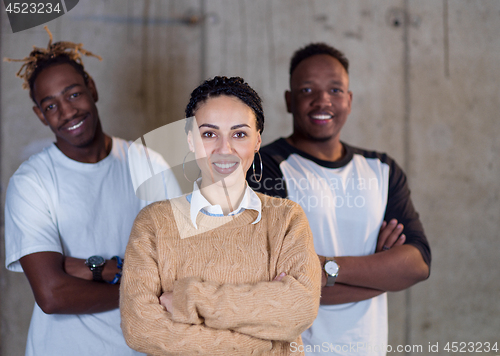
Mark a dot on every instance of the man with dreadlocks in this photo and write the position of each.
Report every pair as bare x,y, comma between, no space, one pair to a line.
73,200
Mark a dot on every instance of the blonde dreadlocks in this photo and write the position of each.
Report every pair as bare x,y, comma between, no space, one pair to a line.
59,52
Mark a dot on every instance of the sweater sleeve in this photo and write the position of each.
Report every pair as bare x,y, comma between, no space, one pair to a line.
148,327
268,310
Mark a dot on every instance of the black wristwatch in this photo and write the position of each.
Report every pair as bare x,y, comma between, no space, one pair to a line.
96,265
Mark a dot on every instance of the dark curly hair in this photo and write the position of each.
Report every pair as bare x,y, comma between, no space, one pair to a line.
313,49
234,86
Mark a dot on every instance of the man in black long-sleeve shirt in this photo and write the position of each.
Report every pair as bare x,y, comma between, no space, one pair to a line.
354,200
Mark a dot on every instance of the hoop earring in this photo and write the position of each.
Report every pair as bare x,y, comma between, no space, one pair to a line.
184,172
261,168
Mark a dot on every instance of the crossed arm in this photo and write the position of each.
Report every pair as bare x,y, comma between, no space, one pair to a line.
393,268
63,285
208,317
149,328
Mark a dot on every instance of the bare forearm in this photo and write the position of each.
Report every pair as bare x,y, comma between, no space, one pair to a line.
343,293
57,292
76,267
393,270
78,296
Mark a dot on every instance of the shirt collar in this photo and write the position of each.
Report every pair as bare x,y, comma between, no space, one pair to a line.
198,203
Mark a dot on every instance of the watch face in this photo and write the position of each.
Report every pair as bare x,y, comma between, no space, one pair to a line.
95,261
332,268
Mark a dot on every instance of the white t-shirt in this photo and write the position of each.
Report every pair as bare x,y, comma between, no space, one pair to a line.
345,218
77,209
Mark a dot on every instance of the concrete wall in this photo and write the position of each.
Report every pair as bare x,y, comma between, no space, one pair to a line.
426,84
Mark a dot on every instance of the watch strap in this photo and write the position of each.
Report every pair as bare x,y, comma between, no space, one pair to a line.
119,265
330,279
97,273
96,265
119,262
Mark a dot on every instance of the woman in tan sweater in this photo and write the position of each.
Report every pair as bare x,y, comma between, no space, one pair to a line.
223,270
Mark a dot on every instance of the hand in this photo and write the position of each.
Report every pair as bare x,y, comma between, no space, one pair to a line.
166,300
279,277
390,235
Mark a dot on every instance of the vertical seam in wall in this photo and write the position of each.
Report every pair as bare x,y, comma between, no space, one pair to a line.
406,141
224,44
203,40
244,38
406,84
272,51
156,69
446,40
129,19
144,58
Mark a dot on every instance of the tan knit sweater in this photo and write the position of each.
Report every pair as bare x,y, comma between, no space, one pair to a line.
225,301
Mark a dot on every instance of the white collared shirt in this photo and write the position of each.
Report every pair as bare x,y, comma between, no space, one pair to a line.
198,203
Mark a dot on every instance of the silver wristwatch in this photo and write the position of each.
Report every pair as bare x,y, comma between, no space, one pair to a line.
332,271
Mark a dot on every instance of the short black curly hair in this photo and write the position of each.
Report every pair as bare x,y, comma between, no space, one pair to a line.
219,85
313,49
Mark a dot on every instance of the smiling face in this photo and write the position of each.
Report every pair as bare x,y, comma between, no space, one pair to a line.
319,98
224,138
67,105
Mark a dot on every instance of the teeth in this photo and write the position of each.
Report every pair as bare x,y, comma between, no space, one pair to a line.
225,165
75,126
321,117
